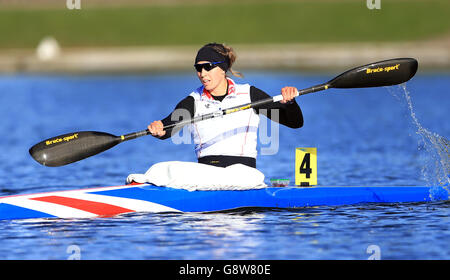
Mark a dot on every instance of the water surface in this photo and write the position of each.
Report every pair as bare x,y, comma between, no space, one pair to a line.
363,137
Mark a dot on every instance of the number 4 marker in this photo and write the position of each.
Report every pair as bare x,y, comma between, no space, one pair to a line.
306,166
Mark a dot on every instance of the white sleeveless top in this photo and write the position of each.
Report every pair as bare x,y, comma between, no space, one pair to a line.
230,135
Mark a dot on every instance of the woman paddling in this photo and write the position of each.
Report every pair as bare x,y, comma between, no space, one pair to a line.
230,139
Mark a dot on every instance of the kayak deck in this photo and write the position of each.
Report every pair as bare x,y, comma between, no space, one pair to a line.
111,201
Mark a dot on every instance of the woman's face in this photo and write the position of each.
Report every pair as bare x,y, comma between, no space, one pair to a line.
211,79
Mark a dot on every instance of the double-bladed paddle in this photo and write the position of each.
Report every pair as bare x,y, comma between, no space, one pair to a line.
72,147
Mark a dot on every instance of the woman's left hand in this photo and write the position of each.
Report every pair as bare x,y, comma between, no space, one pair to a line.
288,94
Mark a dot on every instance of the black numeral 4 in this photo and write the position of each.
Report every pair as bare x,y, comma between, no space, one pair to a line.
305,167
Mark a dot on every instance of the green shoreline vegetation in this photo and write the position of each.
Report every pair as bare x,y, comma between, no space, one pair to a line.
230,22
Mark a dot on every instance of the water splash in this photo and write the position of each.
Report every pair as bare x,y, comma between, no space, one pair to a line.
436,168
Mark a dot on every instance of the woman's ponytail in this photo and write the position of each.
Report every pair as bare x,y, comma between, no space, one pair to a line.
229,53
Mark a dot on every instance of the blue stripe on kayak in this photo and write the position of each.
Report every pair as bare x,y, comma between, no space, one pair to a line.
202,201
10,212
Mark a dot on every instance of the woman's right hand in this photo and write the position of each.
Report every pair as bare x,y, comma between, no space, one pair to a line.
156,128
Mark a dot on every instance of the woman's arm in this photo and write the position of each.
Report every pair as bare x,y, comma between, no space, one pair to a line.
156,127
290,113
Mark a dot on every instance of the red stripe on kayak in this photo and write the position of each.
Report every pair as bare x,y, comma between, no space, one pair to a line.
101,209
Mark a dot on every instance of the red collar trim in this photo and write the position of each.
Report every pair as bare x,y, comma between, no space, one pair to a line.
231,90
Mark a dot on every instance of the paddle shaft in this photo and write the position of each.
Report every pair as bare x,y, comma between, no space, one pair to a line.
71,147
224,112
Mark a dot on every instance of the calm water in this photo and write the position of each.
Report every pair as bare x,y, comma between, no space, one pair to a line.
363,137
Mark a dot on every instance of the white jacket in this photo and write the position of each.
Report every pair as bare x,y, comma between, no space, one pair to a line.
231,135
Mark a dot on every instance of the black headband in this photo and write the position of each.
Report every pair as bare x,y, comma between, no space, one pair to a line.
208,53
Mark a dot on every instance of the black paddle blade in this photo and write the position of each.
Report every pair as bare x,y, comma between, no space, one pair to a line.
383,73
71,147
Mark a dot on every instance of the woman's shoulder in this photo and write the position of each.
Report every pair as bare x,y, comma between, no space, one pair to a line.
234,83
196,93
238,88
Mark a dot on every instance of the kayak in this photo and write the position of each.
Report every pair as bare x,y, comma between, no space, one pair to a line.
112,201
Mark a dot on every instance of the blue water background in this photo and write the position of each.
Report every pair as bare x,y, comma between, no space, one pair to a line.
363,136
